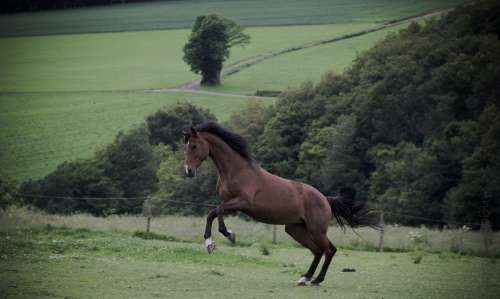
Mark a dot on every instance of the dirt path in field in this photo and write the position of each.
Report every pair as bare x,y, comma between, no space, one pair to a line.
253,60
190,88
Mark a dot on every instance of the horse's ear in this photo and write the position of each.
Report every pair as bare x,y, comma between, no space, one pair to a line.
193,131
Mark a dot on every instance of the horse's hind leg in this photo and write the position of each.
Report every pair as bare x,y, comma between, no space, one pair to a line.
301,235
329,249
222,226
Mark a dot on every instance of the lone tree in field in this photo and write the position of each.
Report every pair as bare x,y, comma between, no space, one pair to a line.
209,44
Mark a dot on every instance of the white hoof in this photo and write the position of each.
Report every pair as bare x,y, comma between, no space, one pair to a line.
232,236
302,281
210,245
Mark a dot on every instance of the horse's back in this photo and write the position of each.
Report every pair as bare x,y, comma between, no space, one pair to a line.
291,201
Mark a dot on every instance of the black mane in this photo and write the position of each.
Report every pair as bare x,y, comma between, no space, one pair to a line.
235,141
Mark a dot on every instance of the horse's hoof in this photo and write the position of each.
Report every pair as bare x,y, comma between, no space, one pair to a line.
210,245
316,282
302,281
232,236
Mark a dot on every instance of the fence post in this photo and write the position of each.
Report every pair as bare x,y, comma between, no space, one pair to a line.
274,234
382,229
485,223
147,212
148,225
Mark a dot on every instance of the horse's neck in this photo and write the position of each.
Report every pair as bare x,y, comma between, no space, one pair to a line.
227,161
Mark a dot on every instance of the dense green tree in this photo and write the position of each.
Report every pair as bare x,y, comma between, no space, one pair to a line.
251,120
341,166
208,46
123,173
166,125
279,146
65,189
313,153
405,124
8,190
478,187
130,162
406,179
176,193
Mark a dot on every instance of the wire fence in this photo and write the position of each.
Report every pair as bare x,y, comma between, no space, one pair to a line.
193,203
208,205
462,228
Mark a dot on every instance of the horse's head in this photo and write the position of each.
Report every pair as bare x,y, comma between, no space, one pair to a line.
196,150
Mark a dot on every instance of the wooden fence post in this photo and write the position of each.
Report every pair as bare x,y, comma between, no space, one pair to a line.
485,223
147,212
148,225
485,231
382,229
274,234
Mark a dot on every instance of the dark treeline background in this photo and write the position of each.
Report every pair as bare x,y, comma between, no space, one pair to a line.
12,6
413,125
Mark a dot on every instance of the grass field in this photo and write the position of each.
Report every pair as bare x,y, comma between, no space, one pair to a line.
181,14
128,60
292,69
85,62
397,238
50,86
50,119
289,70
47,261
40,130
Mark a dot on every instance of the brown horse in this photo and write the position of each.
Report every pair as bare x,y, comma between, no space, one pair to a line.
245,186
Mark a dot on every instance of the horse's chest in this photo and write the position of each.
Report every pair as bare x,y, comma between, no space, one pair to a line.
227,190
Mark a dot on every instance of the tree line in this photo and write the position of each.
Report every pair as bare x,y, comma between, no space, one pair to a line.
13,6
413,125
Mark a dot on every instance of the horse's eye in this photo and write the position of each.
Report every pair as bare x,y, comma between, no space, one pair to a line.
194,146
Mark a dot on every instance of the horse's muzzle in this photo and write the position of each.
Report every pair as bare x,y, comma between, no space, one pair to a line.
188,171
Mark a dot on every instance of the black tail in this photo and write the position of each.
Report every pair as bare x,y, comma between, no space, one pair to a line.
347,211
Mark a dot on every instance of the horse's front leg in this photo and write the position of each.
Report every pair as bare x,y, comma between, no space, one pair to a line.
209,243
233,204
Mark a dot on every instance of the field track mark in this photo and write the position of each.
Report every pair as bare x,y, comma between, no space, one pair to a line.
253,60
171,90
223,94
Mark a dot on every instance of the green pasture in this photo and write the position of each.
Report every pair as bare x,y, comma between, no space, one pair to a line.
40,130
128,60
52,117
85,62
181,14
61,262
397,238
52,99
289,70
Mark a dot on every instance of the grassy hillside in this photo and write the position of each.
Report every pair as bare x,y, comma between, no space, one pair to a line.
292,69
52,72
48,114
39,131
181,14
128,60
46,262
123,61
